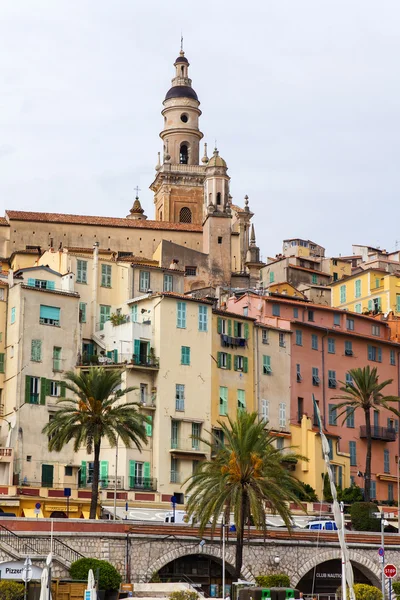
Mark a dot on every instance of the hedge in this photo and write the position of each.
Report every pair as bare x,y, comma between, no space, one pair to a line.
278,580
11,590
109,578
362,516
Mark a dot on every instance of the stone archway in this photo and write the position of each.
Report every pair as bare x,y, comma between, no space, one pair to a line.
362,562
209,550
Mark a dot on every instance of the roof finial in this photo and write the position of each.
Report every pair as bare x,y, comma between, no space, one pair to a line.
246,203
182,52
205,157
252,236
137,190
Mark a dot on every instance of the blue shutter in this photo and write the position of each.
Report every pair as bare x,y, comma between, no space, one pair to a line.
31,282
136,349
49,312
50,285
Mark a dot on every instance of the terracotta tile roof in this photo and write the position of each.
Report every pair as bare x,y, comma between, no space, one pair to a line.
182,296
87,250
349,333
236,207
227,313
4,222
358,272
290,266
165,269
18,215
47,291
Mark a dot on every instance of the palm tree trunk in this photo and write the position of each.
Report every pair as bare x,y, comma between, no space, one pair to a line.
95,482
367,477
240,539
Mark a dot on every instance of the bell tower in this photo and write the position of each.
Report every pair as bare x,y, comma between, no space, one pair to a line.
178,186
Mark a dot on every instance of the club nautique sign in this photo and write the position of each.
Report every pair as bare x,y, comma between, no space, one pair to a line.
15,570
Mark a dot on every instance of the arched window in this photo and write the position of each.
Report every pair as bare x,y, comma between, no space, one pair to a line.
218,198
185,215
182,71
160,215
184,154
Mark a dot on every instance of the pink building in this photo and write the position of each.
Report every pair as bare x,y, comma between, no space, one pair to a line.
325,344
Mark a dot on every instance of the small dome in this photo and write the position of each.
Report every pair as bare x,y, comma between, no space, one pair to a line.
137,207
216,160
181,91
182,59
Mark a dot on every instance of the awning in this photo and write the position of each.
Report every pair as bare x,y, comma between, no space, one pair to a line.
86,513
30,513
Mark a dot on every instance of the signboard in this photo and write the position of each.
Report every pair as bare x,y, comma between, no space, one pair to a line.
381,552
16,570
390,571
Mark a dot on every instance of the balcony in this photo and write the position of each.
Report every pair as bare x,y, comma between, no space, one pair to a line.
384,434
143,483
6,454
229,341
188,447
129,360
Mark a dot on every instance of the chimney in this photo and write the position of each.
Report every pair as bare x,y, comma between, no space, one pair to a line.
174,264
10,278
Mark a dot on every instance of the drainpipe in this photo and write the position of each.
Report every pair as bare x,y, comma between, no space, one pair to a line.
95,276
323,378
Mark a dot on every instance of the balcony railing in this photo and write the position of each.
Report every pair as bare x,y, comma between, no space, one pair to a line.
385,434
229,341
130,360
194,445
143,483
6,452
175,477
105,483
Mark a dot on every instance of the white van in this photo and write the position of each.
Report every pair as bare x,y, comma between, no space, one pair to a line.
181,517
322,525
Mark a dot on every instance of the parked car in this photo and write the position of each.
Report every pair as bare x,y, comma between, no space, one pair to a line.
322,525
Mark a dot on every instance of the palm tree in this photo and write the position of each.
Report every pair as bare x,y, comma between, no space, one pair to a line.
94,413
365,393
246,475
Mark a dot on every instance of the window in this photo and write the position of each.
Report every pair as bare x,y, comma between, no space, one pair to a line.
174,434
224,326
393,424
282,342
144,281
168,283
353,454
314,341
265,336
330,442
350,417
314,278
300,409
196,433
282,414
185,355
280,443
332,414
57,359
190,271
143,393
41,284
36,350
219,239
81,271
315,378
376,330
299,337
386,461
49,315
336,319
374,353
2,363
265,409
82,312
392,357
342,294
390,492
241,399
276,310
55,388
310,315
332,383
174,476
134,313
397,302
224,360
1,293
181,315
245,311
106,276
295,313
105,313
240,330
179,397
267,365
373,490
34,393
203,318
298,373
12,319
335,276
240,363
271,277
183,160
68,471
376,418
358,308
375,305
357,288
223,401
331,346
348,348
350,324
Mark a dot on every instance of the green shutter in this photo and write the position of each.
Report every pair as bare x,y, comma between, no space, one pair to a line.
132,469
246,331
2,363
235,328
229,327
370,305
115,357
62,389
219,325
149,426
245,364
229,361
83,473
43,382
110,354
219,359
104,473
31,282
136,349
27,389
146,473
48,387
235,363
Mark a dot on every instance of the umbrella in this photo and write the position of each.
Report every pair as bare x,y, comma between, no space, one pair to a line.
91,585
45,582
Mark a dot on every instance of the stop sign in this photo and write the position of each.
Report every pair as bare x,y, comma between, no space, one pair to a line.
390,571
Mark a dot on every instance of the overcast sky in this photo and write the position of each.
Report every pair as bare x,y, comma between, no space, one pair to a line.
302,97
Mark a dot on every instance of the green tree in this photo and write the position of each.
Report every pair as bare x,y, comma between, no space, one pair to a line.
246,475
11,590
351,494
93,414
109,578
363,516
365,394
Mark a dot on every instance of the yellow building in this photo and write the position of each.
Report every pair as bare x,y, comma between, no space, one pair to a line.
306,440
372,290
232,370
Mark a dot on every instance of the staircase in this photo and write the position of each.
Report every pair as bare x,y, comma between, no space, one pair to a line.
21,546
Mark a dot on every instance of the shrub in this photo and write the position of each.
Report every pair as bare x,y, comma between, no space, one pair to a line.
351,494
184,595
362,591
278,580
109,578
11,590
362,517
396,588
